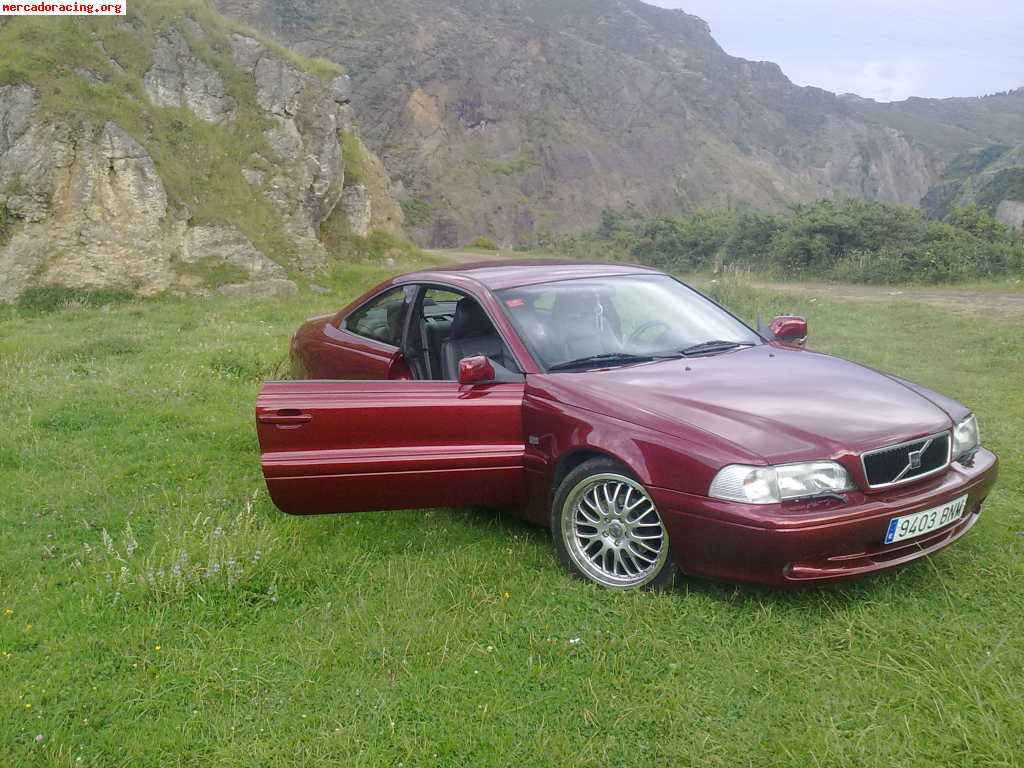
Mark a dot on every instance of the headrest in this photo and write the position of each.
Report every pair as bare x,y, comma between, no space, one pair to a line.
576,304
470,320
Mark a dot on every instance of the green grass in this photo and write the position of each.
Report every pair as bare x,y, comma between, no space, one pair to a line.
212,272
1007,184
525,161
974,160
236,636
354,156
418,213
45,299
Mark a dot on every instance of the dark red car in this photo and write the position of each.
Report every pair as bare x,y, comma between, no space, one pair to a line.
646,425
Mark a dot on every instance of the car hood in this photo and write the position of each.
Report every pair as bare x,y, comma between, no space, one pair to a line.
779,403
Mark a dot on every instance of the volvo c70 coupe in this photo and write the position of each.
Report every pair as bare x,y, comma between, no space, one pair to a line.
649,428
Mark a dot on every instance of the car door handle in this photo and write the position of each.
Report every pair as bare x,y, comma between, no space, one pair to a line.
287,418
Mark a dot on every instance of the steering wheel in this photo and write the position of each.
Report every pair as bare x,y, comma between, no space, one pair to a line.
644,327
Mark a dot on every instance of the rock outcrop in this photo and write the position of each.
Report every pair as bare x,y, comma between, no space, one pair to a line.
178,78
1011,213
307,116
358,208
92,205
84,203
990,177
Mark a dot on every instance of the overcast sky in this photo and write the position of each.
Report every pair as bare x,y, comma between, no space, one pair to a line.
886,50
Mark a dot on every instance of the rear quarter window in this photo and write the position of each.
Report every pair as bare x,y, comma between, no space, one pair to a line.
381,318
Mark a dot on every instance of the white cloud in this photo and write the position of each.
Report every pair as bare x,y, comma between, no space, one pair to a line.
881,79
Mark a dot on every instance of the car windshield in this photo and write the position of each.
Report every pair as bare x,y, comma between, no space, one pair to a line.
618,320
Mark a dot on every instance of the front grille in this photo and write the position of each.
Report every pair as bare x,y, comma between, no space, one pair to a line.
906,461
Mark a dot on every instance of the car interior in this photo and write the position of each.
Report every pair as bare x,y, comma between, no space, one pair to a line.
567,324
448,327
381,318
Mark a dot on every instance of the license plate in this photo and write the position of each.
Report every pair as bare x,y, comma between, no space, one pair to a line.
920,523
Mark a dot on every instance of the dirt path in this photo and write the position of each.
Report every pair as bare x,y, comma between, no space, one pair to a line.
1002,303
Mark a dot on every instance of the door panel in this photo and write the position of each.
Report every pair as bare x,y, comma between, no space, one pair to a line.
350,446
343,355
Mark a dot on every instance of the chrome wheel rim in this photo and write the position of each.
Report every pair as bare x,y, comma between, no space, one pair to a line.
613,531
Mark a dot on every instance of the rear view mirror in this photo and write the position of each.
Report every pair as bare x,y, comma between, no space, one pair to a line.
789,328
475,370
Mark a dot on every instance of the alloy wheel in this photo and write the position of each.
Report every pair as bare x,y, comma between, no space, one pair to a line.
613,532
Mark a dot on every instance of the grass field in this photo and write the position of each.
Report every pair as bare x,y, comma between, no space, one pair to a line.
155,610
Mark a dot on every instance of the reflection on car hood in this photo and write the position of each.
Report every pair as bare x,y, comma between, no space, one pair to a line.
780,403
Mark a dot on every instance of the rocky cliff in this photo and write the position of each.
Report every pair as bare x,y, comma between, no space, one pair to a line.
513,117
979,143
171,151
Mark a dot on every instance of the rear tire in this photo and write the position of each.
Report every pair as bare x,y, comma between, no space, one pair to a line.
606,529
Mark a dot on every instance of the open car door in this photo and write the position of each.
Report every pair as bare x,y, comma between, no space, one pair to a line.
352,446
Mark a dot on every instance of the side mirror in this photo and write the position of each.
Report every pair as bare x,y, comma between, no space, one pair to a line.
475,370
790,329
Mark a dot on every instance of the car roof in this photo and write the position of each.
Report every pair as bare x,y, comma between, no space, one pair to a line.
498,275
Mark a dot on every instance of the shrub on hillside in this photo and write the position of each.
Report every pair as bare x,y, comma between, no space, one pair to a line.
484,243
6,224
855,240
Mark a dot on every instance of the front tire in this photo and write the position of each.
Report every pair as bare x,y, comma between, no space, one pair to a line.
607,530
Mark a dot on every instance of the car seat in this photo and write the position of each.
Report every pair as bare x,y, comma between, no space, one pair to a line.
472,334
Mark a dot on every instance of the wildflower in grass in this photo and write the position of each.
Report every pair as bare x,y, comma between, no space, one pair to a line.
8,611
130,544
40,738
156,648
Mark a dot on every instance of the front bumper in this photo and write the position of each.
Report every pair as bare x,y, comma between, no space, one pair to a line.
817,541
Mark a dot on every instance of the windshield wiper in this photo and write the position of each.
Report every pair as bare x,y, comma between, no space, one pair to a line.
621,358
710,347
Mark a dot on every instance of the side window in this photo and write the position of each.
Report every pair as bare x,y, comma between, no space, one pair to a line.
452,326
382,318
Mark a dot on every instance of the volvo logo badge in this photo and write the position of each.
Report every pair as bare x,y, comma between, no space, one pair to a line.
915,456
914,459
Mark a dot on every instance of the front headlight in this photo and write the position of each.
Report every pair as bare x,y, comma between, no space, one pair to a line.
966,437
769,485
